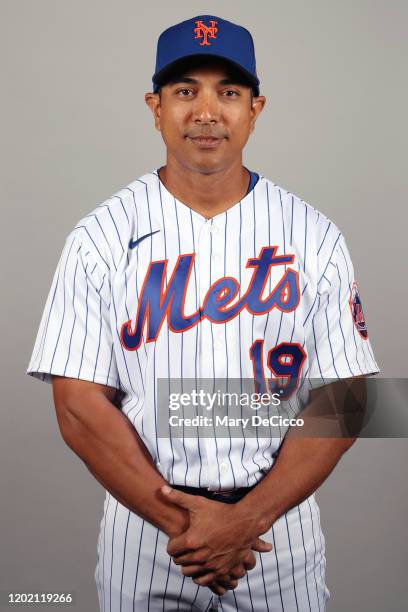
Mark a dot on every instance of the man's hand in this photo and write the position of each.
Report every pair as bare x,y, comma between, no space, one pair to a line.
218,541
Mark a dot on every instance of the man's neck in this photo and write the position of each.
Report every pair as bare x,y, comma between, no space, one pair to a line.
207,194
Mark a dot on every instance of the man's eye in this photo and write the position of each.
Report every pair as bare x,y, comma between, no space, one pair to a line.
183,91
231,91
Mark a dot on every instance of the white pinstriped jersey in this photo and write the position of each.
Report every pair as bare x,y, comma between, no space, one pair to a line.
280,275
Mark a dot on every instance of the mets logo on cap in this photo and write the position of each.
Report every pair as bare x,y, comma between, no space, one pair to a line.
204,31
357,312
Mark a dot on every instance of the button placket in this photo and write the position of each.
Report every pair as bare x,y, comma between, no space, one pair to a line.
205,343
221,466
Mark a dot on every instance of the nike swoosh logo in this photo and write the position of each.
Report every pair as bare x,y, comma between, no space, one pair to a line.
134,243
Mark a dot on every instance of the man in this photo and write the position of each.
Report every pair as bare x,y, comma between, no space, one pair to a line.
199,270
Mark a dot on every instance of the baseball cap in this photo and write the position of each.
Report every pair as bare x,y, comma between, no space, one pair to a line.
206,36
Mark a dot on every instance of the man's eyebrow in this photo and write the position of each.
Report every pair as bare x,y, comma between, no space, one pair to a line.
187,79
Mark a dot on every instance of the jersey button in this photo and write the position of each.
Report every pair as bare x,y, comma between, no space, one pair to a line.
216,257
223,468
214,229
218,344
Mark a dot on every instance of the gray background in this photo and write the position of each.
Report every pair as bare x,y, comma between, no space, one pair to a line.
75,129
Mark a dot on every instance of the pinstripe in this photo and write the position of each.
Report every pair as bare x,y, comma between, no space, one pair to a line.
137,565
209,606
107,241
104,546
277,567
311,309
328,338
110,363
142,377
293,566
182,337
86,324
99,337
63,311
44,331
304,549
75,316
151,576
324,237
112,556
129,378
253,322
235,600
239,335
168,331
269,287
167,583
226,354
84,227
329,260
196,345
213,365
181,592
319,531
263,581
123,563
315,552
340,325
249,593
315,343
195,597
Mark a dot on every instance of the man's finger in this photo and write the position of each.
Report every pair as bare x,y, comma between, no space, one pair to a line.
195,571
249,561
197,557
206,579
180,545
227,582
217,589
237,572
184,500
261,546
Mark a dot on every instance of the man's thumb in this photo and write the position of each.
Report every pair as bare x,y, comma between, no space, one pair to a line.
261,546
184,500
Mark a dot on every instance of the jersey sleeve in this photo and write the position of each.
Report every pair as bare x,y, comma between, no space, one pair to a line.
337,336
74,338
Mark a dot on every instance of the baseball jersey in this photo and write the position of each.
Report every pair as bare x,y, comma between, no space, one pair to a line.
148,289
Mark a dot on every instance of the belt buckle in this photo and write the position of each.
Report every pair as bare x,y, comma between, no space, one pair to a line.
225,493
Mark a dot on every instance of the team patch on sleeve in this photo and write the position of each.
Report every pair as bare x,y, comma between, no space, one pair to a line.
357,311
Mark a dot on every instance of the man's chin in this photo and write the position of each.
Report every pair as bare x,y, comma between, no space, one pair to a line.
205,165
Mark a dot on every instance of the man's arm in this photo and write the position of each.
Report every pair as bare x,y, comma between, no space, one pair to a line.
302,466
310,453
93,427
105,440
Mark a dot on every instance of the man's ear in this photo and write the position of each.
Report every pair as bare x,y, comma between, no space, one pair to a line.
257,105
153,101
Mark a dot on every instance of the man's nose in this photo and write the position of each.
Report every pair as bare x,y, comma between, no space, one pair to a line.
206,107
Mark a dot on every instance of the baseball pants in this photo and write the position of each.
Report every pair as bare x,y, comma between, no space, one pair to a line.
134,572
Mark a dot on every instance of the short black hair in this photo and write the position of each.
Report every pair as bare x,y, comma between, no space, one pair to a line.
179,68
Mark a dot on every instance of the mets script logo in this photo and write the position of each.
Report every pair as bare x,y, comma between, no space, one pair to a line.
357,312
205,32
157,303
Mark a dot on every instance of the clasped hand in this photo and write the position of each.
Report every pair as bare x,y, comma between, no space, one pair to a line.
216,549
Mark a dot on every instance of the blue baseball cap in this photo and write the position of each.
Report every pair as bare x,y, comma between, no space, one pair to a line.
206,36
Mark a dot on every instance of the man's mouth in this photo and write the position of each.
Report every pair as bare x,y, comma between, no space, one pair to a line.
206,140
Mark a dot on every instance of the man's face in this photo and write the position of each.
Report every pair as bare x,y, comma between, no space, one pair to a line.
205,116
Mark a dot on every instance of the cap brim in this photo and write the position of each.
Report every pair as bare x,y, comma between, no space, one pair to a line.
163,75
